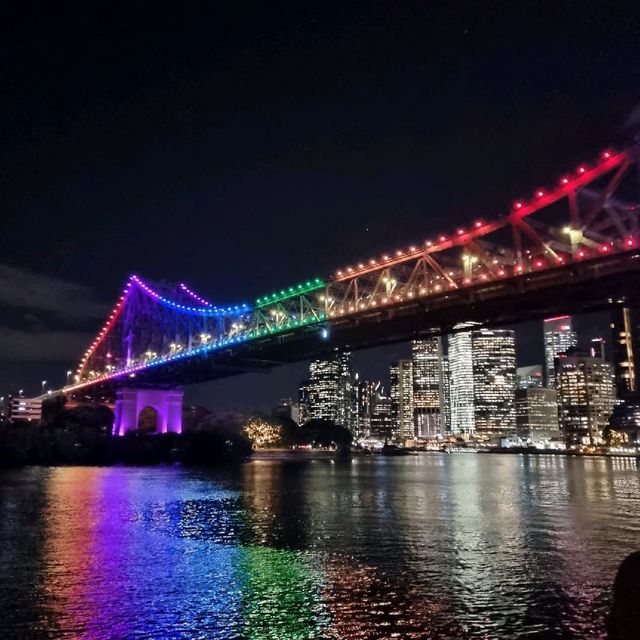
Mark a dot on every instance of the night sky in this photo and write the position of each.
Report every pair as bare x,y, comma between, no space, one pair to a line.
241,147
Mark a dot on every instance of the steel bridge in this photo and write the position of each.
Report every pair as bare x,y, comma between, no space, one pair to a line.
571,248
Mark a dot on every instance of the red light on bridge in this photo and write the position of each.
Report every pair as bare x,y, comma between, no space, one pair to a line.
460,232
560,259
517,205
539,194
629,242
442,238
429,243
385,257
501,272
604,248
519,268
580,254
477,224
398,252
539,264
606,154
564,181
582,170
466,280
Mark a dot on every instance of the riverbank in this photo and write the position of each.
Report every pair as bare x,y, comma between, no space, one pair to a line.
82,446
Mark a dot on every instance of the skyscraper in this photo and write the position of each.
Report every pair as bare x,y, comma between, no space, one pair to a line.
401,374
428,401
559,336
625,348
494,381
461,381
446,396
304,402
586,395
367,391
537,413
331,390
382,421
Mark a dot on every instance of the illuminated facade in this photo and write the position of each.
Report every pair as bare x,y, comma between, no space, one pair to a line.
332,390
537,413
586,395
428,401
382,421
625,339
494,381
367,391
27,409
530,376
304,402
461,382
401,374
559,337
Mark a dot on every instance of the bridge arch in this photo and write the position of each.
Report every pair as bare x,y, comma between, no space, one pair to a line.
131,403
148,419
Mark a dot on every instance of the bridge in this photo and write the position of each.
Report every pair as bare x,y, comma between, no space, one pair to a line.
571,248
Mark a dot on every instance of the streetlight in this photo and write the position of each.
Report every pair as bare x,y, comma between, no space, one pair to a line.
44,384
68,374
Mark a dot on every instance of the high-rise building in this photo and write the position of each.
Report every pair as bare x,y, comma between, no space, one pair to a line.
537,413
304,402
494,381
287,409
401,375
446,396
367,391
530,376
331,390
625,348
428,401
559,337
461,381
586,395
382,420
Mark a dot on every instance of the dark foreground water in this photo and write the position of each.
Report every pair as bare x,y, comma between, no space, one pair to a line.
435,546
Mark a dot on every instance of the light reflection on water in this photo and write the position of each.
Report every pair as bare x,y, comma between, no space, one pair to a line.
434,546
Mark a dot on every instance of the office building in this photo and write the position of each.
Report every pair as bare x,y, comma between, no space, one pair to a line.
537,413
494,381
530,376
304,402
331,390
367,391
383,425
625,348
401,376
287,409
559,337
461,381
428,401
586,395
446,396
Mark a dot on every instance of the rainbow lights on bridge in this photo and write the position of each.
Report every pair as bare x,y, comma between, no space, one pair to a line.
152,325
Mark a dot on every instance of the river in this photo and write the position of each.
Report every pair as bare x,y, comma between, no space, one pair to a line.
431,546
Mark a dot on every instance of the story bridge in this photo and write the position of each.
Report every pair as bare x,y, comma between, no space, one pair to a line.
571,248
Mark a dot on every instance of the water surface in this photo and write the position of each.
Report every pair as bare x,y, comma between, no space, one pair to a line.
434,546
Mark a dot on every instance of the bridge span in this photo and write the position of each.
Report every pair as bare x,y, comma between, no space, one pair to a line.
568,249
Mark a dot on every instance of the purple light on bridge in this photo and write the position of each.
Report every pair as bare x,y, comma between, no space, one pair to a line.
130,402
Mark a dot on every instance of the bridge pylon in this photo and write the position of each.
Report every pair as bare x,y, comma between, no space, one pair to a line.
131,401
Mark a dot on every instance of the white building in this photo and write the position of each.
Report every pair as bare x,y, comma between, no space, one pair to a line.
559,337
428,397
494,381
29,409
461,381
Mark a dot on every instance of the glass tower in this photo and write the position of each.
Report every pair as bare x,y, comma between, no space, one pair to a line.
559,336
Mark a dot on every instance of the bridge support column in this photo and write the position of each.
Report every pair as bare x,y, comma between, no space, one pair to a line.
130,402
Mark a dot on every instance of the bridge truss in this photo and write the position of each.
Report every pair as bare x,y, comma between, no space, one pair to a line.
589,218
